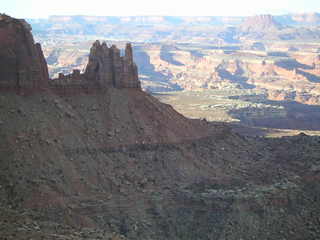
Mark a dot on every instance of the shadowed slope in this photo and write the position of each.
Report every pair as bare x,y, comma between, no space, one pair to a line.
126,166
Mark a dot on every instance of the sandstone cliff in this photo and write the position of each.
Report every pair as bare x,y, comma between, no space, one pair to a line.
24,69
107,67
22,64
107,72
291,75
118,164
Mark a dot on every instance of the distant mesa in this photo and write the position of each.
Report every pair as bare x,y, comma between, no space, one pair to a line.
24,69
260,23
311,18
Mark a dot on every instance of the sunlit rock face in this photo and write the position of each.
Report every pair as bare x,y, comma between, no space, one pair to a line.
107,67
22,64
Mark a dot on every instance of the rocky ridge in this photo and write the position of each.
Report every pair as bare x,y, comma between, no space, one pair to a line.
22,64
294,77
118,164
284,71
108,68
24,68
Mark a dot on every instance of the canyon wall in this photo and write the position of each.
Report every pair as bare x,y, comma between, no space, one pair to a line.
294,77
22,64
24,69
290,74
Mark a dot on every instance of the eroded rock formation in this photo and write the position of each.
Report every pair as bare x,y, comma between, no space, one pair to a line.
108,68
22,64
24,69
122,165
105,69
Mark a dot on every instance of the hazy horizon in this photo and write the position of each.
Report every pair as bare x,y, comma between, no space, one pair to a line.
44,9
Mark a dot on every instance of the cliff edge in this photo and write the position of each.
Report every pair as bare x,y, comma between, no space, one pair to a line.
22,64
23,67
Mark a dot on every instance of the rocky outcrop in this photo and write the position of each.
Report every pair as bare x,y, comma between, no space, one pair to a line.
100,64
108,68
24,69
22,64
285,72
122,165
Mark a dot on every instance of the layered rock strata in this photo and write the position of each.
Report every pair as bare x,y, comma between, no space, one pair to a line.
108,68
24,69
22,64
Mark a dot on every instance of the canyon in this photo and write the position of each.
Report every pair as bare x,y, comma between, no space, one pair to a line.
276,86
285,75
279,54
89,155
274,60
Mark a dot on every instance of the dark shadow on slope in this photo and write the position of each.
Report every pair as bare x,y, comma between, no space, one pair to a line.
252,131
278,54
292,64
229,35
167,56
311,77
142,59
196,53
299,116
236,78
53,57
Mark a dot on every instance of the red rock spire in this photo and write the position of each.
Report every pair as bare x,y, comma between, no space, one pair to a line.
107,67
